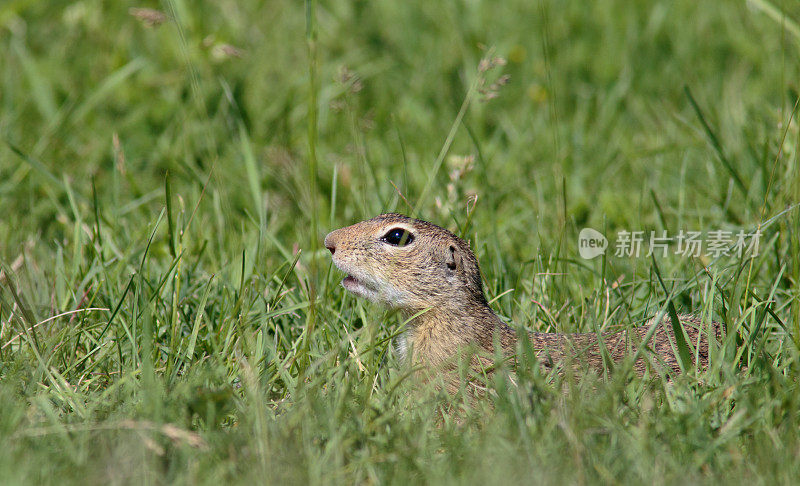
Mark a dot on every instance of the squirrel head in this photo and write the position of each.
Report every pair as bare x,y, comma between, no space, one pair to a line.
406,263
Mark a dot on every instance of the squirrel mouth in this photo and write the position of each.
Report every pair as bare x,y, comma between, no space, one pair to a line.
351,283
357,287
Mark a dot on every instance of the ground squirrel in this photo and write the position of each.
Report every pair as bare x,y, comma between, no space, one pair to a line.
428,272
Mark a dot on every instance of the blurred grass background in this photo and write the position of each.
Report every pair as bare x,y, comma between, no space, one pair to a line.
167,175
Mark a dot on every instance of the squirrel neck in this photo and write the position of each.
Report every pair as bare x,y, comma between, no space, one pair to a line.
436,334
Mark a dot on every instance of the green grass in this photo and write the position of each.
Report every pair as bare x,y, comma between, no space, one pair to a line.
167,313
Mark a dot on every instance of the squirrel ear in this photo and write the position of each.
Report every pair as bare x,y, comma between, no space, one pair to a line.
451,258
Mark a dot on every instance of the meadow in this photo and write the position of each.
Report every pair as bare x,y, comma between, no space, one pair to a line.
168,171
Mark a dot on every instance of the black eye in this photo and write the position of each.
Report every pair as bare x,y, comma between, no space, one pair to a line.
398,237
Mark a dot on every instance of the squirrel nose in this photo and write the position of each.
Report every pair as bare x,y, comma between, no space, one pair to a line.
330,244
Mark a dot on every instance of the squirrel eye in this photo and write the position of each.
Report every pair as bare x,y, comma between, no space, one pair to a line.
398,237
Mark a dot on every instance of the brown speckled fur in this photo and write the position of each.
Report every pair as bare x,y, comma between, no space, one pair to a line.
437,276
